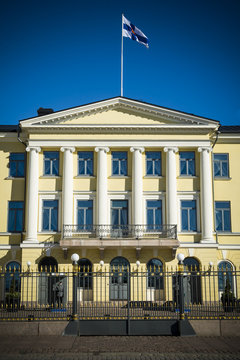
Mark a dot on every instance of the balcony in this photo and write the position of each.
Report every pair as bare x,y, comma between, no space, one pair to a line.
110,236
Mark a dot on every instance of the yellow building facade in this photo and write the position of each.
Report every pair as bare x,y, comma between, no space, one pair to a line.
121,183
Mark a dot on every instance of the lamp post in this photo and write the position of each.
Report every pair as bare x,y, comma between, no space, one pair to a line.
184,326
74,258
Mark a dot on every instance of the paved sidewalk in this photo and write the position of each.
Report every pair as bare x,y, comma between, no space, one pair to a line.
119,348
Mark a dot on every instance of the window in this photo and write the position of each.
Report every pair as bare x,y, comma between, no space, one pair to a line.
17,164
85,274
119,163
222,215
13,284
51,163
187,163
85,163
188,215
221,165
119,212
85,215
225,276
50,215
153,163
155,268
15,216
154,215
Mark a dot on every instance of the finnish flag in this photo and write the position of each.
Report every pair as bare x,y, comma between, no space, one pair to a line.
131,31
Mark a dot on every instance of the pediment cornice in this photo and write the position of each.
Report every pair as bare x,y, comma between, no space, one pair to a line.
60,118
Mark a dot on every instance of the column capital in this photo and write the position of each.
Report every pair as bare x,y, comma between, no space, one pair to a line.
137,148
33,148
70,148
102,148
170,148
205,148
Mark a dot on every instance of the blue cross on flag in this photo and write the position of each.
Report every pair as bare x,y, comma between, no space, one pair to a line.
131,31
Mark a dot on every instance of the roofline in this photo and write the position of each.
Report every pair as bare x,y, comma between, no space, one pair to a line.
123,98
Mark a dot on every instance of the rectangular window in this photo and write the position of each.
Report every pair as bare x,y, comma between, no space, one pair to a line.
153,163
119,163
51,163
85,215
220,162
187,163
50,215
15,216
17,164
119,212
154,215
85,163
188,215
222,215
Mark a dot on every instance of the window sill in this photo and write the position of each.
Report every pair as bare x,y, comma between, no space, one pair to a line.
225,233
10,233
153,177
119,177
50,177
48,232
189,233
84,177
222,178
14,177
187,177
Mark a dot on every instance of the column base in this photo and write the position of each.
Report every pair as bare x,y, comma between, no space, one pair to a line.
208,240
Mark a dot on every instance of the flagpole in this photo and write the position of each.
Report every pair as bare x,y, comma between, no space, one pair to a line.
122,61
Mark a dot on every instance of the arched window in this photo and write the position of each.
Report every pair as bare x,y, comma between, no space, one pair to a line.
119,285
191,264
154,268
119,263
225,276
48,264
13,281
85,274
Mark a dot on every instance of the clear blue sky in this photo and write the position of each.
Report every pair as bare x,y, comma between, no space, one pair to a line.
62,54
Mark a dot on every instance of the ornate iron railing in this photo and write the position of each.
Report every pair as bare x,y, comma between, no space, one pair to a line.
121,231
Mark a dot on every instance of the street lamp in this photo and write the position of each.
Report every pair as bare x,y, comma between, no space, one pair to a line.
75,258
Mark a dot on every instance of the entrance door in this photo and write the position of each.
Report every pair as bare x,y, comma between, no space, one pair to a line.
119,218
192,265
119,286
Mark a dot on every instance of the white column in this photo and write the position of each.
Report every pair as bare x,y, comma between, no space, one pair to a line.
171,185
67,187
102,204
137,189
206,194
32,194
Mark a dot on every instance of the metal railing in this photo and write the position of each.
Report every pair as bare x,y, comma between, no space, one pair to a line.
117,293
121,231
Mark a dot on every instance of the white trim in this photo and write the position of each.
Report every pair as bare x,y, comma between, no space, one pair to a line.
52,196
84,196
160,144
154,196
188,196
119,196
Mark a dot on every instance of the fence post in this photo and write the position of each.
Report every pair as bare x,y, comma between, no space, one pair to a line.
73,326
184,326
128,301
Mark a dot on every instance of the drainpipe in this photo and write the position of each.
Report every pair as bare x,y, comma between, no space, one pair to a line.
25,177
217,132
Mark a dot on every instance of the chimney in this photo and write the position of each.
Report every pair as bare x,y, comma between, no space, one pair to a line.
42,111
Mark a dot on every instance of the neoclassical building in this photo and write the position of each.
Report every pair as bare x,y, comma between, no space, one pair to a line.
119,181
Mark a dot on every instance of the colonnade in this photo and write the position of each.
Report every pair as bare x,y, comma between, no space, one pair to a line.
137,188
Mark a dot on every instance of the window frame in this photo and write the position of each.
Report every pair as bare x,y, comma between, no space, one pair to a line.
222,216
189,230
51,160
187,174
15,215
50,215
147,153
119,160
148,227
17,162
86,227
85,161
221,161
43,197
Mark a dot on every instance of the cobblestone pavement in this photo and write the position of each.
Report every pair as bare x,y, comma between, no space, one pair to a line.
119,348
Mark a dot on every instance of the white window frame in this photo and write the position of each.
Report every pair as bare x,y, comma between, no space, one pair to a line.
89,196
155,196
119,196
234,277
42,198
186,197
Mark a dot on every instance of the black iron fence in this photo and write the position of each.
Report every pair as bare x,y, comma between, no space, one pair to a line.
117,293
120,231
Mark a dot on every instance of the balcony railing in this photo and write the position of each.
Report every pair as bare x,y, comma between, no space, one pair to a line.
120,231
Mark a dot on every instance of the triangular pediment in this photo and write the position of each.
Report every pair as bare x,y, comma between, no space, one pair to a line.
118,112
